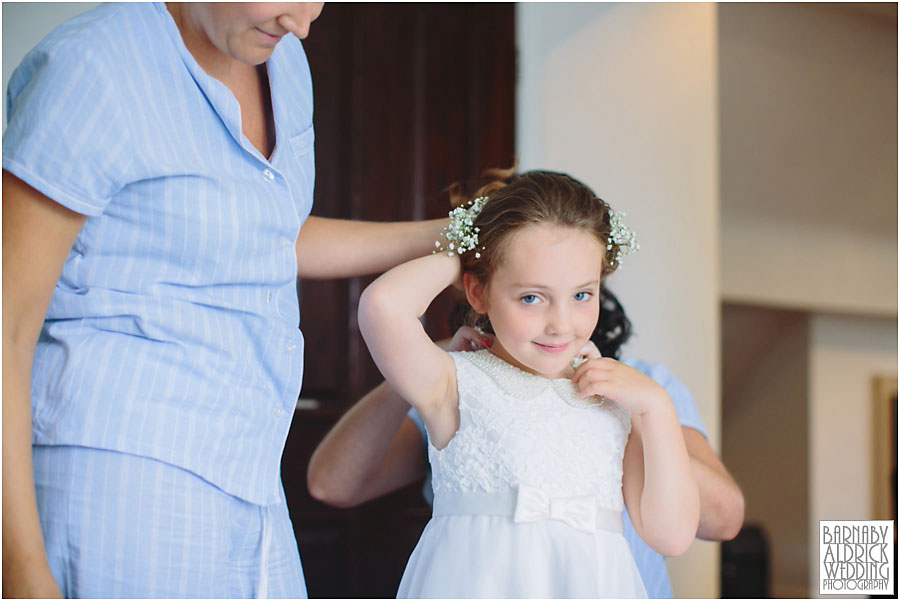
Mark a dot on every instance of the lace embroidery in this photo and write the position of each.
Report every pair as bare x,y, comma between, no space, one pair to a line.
515,428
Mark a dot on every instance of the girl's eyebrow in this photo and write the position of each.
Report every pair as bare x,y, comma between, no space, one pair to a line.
542,287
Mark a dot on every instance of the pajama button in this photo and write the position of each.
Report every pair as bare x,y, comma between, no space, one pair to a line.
285,243
268,175
268,296
290,348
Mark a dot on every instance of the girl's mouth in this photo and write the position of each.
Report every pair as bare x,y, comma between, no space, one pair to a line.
552,348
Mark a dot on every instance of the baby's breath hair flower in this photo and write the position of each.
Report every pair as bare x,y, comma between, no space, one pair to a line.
461,234
622,236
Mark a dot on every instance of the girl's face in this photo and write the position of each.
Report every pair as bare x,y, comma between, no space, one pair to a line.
543,300
245,31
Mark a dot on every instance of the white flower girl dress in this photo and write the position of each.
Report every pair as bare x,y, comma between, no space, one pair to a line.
527,494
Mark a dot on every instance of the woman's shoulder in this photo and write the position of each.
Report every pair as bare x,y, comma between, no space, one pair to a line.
103,42
104,54
104,30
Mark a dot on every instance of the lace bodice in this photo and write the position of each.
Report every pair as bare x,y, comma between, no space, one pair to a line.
518,428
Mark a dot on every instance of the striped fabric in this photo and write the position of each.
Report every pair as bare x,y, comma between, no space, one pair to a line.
173,330
650,564
121,526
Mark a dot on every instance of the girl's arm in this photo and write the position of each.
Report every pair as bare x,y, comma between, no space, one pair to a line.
37,236
420,372
658,483
341,248
657,480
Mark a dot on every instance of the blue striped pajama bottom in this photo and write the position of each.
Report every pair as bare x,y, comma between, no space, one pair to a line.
119,525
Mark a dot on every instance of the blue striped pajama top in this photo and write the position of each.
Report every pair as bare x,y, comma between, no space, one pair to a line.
172,332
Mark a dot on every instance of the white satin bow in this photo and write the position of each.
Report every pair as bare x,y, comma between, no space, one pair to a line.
534,504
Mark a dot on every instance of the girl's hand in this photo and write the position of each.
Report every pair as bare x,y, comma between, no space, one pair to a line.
623,384
467,339
588,351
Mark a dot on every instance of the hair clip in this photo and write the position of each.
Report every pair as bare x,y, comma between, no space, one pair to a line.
621,235
461,233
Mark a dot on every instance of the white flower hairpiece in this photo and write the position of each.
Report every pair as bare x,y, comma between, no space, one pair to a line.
461,234
622,236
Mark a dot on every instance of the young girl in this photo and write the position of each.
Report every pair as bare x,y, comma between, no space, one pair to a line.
531,457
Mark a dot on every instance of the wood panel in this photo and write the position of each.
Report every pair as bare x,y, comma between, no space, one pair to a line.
409,99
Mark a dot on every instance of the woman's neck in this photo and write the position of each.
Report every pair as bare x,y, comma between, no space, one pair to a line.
212,60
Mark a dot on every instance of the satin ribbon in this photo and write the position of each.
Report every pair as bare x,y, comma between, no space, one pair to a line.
534,504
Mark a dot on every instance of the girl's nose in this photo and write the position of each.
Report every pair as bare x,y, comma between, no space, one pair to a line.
558,321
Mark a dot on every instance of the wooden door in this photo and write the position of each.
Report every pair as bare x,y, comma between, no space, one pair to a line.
409,99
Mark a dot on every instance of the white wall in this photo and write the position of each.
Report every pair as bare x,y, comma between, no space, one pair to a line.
623,97
25,24
808,110
808,105
846,354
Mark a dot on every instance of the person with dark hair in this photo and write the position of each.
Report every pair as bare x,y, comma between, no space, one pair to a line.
379,446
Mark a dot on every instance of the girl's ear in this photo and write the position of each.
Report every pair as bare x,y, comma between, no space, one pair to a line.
474,293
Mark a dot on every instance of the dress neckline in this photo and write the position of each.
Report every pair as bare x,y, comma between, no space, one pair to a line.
521,383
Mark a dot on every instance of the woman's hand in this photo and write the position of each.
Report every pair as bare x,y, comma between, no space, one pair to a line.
467,339
603,376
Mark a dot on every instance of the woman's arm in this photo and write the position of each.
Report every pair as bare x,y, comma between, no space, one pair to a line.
420,371
37,236
374,449
721,500
658,483
340,248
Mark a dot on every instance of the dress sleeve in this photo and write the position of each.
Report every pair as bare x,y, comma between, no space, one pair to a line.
69,134
678,392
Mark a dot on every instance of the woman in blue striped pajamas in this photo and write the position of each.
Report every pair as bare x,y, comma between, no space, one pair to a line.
157,169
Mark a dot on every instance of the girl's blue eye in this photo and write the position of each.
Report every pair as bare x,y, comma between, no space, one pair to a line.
529,299
580,296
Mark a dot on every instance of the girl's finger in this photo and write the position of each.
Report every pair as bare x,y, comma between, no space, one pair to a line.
589,350
588,366
592,383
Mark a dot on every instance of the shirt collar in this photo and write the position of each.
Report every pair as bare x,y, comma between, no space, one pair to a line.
217,94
